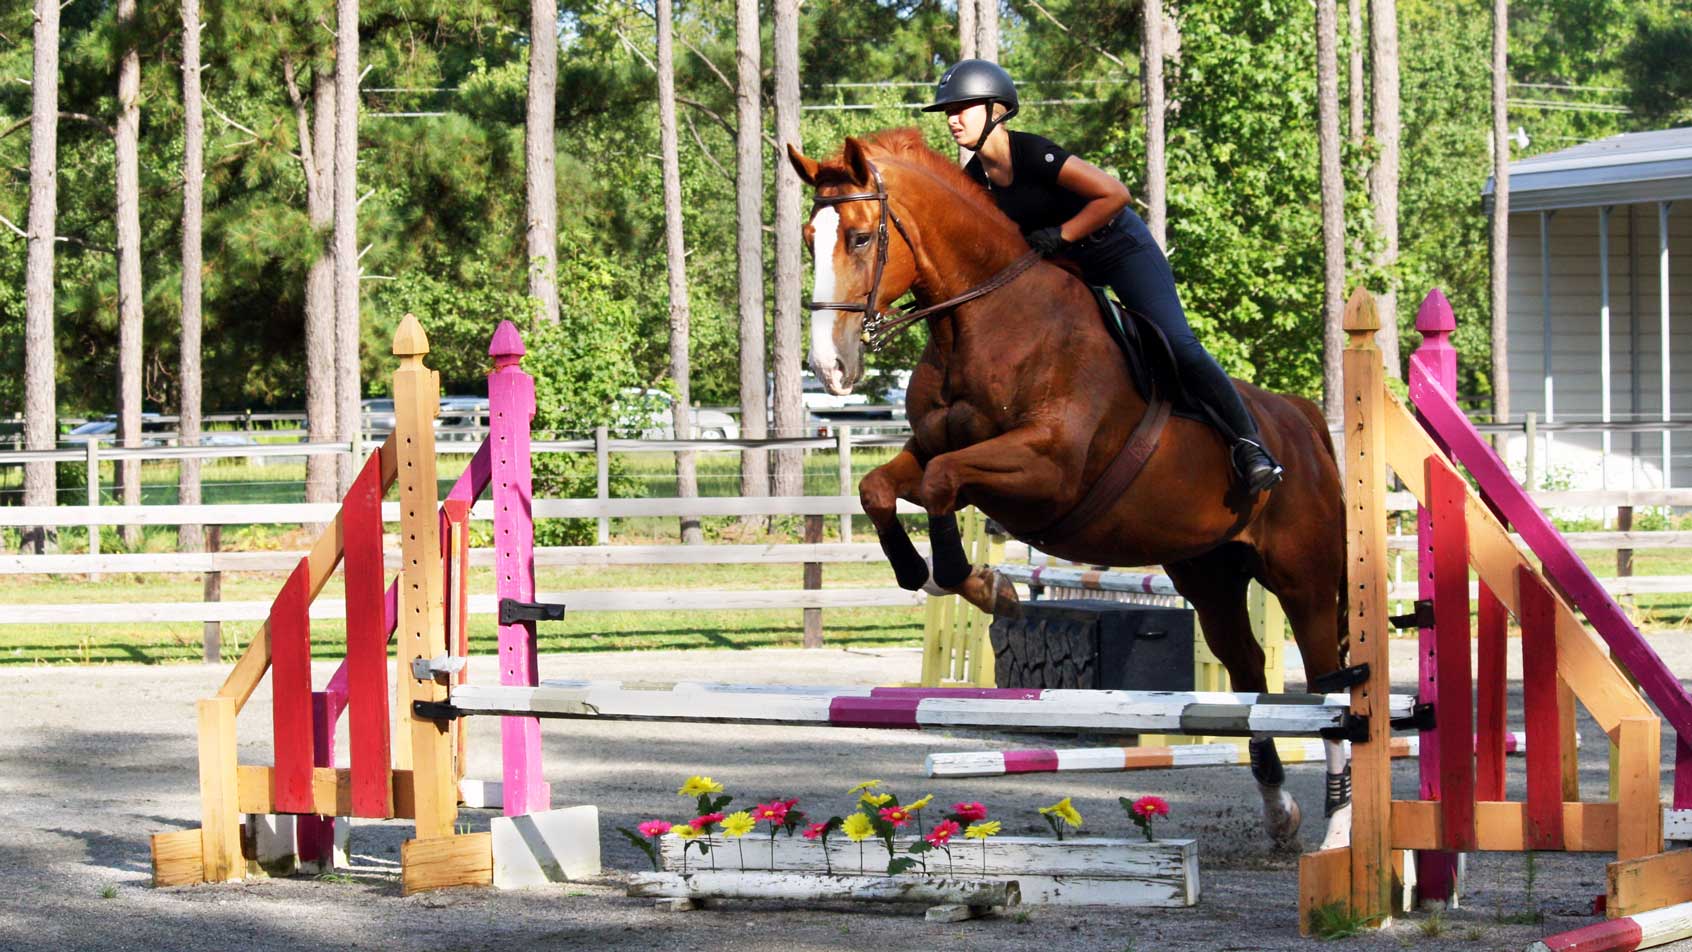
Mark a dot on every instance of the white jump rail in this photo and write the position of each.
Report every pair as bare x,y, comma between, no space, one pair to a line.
1004,709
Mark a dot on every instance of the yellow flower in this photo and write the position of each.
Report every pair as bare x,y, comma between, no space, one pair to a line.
866,785
1065,811
914,807
858,828
698,785
984,829
876,799
738,824
685,831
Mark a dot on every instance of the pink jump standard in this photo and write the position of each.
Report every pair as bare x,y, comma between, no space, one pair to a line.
413,773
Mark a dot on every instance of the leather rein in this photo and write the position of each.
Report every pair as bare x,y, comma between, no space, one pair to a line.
881,326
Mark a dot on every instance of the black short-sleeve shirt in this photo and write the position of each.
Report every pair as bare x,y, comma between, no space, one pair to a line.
1033,199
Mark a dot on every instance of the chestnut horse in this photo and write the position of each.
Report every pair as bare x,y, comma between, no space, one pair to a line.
1021,401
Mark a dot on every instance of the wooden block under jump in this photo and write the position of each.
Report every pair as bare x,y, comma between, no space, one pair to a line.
1636,885
1324,880
176,858
464,860
552,846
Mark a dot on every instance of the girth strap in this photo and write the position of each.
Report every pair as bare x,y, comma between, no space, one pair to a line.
1122,472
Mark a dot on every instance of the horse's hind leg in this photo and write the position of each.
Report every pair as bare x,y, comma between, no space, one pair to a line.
1215,583
1311,603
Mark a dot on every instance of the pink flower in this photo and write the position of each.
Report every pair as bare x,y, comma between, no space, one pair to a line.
969,812
942,832
774,812
898,816
654,828
814,830
791,803
1151,806
700,822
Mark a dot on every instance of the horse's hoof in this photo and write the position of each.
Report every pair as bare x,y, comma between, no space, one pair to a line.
1283,830
991,592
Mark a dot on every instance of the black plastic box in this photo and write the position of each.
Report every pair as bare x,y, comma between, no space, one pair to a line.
1094,644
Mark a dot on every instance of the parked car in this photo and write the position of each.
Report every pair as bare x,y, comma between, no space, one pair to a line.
155,431
378,414
646,414
462,418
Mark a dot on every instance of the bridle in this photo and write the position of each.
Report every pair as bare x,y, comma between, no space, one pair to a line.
880,326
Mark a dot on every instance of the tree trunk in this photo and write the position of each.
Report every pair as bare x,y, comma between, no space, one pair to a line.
749,247
1354,90
675,260
789,232
316,132
191,538
966,50
41,414
540,152
987,29
128,229
966,29
1500,211
346,235
1383,53
1333,206
1157,169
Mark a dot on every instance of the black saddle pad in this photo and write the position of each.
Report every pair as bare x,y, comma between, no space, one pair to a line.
1151,362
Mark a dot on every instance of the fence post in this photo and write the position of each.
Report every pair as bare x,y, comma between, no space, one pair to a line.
1530,426
602,461
1624,556
93,481
813,582
843,450
212,631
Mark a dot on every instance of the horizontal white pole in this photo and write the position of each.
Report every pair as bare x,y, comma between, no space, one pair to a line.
622,600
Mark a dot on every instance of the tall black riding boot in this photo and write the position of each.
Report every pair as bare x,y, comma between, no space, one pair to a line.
1258,471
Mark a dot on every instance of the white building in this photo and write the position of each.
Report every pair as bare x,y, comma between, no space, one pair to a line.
1600,270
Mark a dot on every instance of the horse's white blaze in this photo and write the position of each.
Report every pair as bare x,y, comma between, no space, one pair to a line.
826,228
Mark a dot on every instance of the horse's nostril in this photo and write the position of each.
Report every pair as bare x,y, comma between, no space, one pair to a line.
840,367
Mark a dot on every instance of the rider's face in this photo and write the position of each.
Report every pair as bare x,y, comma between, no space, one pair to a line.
965,121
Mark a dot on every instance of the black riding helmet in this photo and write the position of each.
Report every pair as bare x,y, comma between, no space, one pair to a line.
976,80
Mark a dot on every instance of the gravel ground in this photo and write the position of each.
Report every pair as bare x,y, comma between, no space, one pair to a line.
94,760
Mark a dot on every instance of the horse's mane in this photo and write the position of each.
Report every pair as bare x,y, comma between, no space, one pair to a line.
905,144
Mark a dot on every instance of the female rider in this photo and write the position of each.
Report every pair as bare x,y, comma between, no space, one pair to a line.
1070,207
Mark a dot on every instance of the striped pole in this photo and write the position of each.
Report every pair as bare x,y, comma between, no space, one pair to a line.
1109,712
999,763
1643,930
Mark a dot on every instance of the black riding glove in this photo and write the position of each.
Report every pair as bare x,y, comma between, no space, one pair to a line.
1047,241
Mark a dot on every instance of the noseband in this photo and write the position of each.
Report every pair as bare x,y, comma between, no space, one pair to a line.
882,326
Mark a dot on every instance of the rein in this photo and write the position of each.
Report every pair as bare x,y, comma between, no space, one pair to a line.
880,327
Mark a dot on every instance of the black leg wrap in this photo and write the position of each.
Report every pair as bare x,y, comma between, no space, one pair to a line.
909,567
951,565
1266,762
1339,792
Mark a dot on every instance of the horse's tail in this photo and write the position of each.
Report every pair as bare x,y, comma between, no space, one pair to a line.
1319,423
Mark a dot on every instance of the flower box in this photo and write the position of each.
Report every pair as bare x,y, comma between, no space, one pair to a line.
1085,871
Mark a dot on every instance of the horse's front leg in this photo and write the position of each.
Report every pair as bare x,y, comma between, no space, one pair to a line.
1012,465
880,492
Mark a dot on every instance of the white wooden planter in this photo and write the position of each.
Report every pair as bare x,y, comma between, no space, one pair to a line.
1082,872
753,884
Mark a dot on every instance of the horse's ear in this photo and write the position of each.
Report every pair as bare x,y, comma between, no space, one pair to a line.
803,164
857,160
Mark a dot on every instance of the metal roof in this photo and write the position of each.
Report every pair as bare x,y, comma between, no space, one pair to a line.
1621,170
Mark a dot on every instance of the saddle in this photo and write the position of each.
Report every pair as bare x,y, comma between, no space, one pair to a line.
1151,362
1151,367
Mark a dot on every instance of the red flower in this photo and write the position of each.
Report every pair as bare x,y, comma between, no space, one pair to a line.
969,812
814,830
654,828
898,816
942,832
774,812
1151,806
700,822
790,803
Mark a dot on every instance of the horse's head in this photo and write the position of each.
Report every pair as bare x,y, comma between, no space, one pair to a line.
860,270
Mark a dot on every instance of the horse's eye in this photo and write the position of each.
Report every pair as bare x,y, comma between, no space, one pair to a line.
858,240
